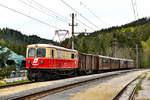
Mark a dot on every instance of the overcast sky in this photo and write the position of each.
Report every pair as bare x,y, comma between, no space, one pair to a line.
109,12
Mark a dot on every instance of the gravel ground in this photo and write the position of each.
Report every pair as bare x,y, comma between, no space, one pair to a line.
144,94
67,94
104,89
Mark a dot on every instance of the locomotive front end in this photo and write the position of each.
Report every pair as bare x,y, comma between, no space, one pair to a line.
36,58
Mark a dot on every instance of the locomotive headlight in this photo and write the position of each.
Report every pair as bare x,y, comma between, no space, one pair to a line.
29,61
42,62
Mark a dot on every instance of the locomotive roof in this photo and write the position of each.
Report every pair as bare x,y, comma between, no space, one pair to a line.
51,46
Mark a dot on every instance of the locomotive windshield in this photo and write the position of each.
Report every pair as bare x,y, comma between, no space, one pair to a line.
39,52
31,52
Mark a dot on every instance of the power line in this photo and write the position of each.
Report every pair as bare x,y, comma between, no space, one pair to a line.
42,11
29,16
134,7
81,3
49,10
79,13
57,14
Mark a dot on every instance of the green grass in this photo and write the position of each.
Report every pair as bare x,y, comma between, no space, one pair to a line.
16,82
139,87
149,78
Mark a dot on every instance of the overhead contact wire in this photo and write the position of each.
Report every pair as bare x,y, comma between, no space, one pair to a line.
29,16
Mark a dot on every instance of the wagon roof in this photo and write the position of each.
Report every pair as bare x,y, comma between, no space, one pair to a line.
88,54
105,57
50,46
122,59
115,58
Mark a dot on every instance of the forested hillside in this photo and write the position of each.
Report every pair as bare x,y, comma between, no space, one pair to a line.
17,42
127,36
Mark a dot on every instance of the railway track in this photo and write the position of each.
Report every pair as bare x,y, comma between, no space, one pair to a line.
13,85
128,92
41,94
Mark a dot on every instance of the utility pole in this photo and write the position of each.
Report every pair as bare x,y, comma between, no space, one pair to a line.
114,45
72,30
137,56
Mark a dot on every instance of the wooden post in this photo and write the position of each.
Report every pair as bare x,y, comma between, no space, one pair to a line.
73,30
137,56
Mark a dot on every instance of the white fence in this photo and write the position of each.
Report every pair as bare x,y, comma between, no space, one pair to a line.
17,76
15,79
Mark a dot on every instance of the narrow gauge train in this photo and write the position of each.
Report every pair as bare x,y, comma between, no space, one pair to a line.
45,61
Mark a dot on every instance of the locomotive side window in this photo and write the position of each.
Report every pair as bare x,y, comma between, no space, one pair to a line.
41,52
72,56
52,53
31,52
59,54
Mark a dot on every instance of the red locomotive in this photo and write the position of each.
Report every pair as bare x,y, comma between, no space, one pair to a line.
45,61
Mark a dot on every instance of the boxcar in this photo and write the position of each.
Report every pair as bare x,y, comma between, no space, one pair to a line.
88,62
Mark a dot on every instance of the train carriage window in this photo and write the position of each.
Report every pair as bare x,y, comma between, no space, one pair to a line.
101,60
31,52
41,52
130,63
105,61
72,56
121,62
117,62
